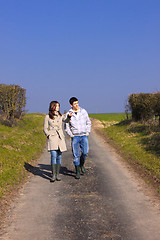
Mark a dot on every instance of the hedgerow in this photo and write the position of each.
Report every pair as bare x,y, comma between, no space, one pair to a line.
145,106
12,102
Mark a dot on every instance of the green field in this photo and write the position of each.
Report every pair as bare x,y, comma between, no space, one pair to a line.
109,116
138,143
19,145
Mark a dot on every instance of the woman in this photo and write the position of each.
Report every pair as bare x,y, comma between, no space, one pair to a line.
55,137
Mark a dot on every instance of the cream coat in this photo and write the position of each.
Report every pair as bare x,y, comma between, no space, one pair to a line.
53,129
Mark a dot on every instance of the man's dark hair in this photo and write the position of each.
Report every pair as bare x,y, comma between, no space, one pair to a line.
72,100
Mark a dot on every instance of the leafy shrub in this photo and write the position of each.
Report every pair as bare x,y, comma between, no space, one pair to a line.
144,106
12,102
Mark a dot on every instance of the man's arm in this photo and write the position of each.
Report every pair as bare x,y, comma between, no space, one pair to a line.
88,124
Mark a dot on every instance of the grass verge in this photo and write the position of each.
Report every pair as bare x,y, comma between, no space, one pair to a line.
138,143
19,145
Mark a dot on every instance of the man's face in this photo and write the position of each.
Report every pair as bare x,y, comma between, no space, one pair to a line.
75,106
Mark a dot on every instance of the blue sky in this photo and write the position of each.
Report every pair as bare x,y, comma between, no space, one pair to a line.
97,50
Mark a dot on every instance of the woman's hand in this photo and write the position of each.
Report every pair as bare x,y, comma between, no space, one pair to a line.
70,114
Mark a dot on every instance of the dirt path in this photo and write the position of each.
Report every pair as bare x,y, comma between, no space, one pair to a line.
107,203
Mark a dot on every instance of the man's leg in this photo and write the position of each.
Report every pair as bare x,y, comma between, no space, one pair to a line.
75,151
84,147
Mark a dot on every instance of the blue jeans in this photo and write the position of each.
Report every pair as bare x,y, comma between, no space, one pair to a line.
56,156
82,143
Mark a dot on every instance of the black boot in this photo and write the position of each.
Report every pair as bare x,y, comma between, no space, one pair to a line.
53,169
83,170
57,172
77,172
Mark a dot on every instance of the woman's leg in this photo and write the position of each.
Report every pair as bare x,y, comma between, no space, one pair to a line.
59,157
58,161
53,165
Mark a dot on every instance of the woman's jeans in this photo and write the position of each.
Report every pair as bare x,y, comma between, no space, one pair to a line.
56,156
82,143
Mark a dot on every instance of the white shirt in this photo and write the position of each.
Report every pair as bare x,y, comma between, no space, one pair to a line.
79,124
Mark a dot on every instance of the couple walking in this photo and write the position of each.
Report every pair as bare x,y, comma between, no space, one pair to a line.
78,127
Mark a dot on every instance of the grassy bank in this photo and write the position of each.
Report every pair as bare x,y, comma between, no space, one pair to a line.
138,143
19,145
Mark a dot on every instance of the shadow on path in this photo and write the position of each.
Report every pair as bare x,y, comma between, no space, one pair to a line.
44,170
66,171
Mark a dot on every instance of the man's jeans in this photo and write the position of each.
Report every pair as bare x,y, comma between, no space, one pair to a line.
82,143
56,156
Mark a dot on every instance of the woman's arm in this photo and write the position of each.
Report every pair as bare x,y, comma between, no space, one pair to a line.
66,117
45,128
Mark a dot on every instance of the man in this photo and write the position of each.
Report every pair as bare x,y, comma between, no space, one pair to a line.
78,129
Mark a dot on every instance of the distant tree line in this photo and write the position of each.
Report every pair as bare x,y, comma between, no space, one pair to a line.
144,106
12,103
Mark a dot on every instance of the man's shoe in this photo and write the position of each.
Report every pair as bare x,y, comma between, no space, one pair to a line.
77,172
83,170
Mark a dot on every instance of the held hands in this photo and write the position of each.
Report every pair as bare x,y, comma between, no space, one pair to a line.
70,114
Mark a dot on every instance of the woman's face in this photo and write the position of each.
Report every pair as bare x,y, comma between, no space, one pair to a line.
57,107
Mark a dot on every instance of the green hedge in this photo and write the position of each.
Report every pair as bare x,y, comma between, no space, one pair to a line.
144,106
12,101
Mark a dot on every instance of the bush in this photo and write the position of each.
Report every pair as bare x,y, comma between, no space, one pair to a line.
145,106
157,105
12,101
